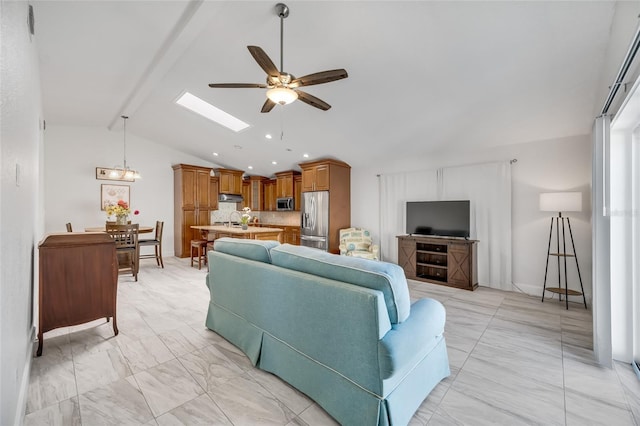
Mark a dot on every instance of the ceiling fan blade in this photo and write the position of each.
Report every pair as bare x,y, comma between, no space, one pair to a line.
312,100
238,85
264,61
319,78
268,105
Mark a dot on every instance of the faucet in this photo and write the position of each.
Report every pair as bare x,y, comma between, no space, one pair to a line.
231,214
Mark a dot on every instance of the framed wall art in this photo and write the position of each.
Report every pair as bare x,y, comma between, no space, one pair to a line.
111,194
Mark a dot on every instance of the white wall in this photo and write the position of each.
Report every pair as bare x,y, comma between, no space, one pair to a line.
72,192
20,211
542,166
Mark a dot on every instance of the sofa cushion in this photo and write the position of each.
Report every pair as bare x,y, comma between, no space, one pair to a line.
385,277
248,249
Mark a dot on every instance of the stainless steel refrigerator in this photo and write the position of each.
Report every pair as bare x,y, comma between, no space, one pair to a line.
314,222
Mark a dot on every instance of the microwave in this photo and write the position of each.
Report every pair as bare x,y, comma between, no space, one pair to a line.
285,204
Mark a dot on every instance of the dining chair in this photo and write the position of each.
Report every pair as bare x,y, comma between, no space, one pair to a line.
156,243
126,239
69,229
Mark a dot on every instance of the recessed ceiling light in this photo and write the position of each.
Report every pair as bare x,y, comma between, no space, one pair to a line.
215,154
305,155
250,167
274,162
205,109
268,136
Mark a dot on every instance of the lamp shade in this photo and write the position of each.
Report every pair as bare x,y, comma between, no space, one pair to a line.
282,95
561,201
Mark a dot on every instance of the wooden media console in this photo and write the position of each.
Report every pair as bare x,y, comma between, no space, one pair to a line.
447,261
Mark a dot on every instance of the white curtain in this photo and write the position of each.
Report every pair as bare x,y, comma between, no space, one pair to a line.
600,241
487,186
395,191
625,229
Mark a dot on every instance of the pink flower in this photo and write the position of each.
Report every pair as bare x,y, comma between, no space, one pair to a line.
136,212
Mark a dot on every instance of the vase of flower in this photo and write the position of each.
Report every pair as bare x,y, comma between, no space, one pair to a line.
120,210
244,219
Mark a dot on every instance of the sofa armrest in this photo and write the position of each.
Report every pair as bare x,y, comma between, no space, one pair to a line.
408,342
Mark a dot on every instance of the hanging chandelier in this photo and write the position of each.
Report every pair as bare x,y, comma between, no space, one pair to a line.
124,171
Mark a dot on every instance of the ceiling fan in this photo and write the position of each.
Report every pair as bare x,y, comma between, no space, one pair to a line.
284,87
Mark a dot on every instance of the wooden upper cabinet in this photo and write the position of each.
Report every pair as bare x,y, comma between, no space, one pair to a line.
229,181
269,187
257,193
194,189
284,184
203,189
213,193
321,175
246,194
188,188
297,192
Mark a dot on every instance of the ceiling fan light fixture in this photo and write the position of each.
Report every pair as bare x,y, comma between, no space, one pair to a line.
282,95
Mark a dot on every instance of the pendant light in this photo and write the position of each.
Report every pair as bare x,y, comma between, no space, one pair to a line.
124,171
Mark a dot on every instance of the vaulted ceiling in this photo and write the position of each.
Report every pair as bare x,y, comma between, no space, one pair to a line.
423,76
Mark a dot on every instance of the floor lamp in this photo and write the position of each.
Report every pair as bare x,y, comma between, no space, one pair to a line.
561,202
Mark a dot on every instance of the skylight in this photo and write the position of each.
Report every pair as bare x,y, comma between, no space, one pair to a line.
207,110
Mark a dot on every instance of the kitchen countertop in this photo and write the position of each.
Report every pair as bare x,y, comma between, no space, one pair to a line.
237,229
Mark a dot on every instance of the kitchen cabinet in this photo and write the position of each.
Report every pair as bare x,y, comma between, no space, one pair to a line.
256,193
193,204
285,184
229,181
334,177
291,235
324,175
297,191
246,194
213,193
269,187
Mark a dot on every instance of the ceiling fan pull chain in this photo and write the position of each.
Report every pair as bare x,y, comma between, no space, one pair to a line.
281,123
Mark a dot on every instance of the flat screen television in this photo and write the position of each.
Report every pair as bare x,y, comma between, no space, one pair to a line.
440,218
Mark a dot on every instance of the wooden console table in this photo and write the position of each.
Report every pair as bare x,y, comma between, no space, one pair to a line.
447,261
78,280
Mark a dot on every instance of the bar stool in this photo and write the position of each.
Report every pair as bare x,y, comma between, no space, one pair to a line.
201,247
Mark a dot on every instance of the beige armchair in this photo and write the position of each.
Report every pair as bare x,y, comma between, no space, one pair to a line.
357,242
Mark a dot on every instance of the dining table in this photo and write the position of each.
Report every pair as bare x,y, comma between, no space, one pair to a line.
141,229
213,232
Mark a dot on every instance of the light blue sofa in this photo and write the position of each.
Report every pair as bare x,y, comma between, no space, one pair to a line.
340,329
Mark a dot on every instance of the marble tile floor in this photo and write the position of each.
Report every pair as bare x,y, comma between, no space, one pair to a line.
514,361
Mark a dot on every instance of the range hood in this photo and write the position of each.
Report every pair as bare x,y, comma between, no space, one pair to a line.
230,198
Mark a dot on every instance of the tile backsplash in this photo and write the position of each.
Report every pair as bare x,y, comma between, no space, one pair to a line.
268,217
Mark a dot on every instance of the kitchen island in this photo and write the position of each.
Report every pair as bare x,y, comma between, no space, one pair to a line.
234,231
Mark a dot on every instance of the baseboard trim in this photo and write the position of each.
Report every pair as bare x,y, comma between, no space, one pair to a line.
24,385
